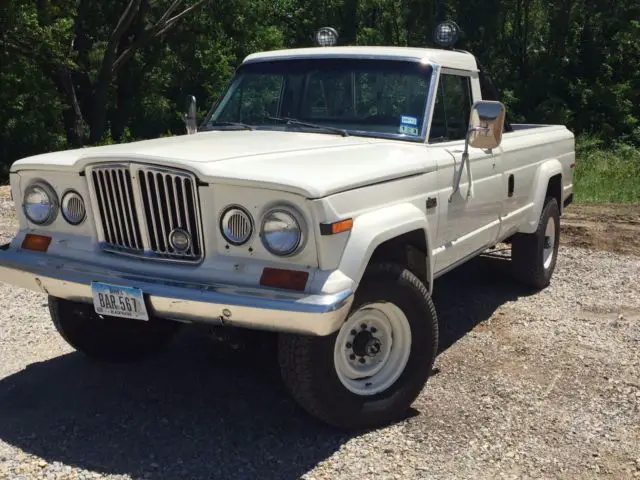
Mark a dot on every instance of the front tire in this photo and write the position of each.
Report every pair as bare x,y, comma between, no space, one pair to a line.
369,372
109,339
534,255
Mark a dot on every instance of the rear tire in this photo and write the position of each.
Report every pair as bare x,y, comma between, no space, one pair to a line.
534,255
109,339
392,326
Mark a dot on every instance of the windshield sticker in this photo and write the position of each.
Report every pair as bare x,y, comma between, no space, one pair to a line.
409,125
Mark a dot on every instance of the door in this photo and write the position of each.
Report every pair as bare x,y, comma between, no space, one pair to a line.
467,223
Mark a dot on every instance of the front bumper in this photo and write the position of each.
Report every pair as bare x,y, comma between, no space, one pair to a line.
248,307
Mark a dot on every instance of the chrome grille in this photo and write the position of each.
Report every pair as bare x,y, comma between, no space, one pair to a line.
138,206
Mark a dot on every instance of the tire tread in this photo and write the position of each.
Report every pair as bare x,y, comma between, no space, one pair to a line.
297,360
527,268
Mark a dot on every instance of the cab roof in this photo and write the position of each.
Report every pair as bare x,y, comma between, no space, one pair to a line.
445,58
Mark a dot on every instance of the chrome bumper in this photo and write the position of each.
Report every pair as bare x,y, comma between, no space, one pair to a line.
255,308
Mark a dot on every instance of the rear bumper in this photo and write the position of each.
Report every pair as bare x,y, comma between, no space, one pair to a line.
217,304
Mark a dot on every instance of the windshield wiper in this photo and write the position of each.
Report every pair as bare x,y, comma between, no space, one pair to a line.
295,121
219,123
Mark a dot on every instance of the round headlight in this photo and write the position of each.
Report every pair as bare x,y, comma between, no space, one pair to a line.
236,225
72,207
281,232
40,203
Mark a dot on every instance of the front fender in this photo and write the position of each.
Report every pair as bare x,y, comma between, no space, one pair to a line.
545,171
374,228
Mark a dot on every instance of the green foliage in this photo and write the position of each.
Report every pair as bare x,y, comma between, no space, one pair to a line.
606,173
70,77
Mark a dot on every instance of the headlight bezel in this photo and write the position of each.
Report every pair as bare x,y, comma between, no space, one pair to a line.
229,210
298,220
51,195
65,197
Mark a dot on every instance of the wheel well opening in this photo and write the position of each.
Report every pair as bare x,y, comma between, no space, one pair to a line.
554,189
408,250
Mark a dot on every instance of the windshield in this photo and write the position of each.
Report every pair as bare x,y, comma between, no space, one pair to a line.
380,98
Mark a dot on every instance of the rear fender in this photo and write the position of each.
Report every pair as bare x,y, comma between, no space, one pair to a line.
545,171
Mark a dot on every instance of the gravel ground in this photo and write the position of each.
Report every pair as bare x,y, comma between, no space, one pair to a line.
525,386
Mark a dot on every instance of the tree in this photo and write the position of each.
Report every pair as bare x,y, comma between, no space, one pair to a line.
86,71
62,41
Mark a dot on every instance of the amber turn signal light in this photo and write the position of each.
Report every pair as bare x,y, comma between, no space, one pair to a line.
337,227
289,279
37,243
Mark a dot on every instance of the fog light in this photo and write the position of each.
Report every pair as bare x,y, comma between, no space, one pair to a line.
327,37
446,34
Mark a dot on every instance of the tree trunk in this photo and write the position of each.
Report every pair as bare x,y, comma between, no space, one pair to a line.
350,22
127,83
74,123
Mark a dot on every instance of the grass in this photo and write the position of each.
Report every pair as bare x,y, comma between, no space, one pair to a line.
606,173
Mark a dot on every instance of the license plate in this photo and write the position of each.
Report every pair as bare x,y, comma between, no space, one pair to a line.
117,301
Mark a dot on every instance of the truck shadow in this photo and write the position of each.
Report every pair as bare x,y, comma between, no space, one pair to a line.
186,414
471,293
189,414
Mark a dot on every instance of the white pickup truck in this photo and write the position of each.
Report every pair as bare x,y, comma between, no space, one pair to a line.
320,199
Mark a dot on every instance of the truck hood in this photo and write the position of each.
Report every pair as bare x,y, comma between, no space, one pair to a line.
310,164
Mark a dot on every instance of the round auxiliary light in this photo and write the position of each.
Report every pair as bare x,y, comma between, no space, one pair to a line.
180,240
281,232
327,37
446,34
40,203
236,225
72,207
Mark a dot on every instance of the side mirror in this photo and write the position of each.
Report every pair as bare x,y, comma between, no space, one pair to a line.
486,124
190,119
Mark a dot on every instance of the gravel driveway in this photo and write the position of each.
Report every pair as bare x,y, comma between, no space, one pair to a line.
533,386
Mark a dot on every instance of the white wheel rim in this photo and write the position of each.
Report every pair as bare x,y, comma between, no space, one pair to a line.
549,243
371,360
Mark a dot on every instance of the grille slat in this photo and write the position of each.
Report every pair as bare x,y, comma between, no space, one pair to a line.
155,218
163,199
129,210
187,220
191,215
126,231
163,232
111,238
176,182
112,208
115,190
169,195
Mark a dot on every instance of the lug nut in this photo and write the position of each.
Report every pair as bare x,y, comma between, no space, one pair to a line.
348,345
353,332
362,360
374,329
352,356
363,326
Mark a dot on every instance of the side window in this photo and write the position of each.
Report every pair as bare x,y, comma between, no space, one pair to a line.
452,108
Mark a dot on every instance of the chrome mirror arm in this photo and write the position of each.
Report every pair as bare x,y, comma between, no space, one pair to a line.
465,159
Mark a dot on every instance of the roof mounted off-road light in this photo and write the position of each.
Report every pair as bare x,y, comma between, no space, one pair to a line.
446,34
326,37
